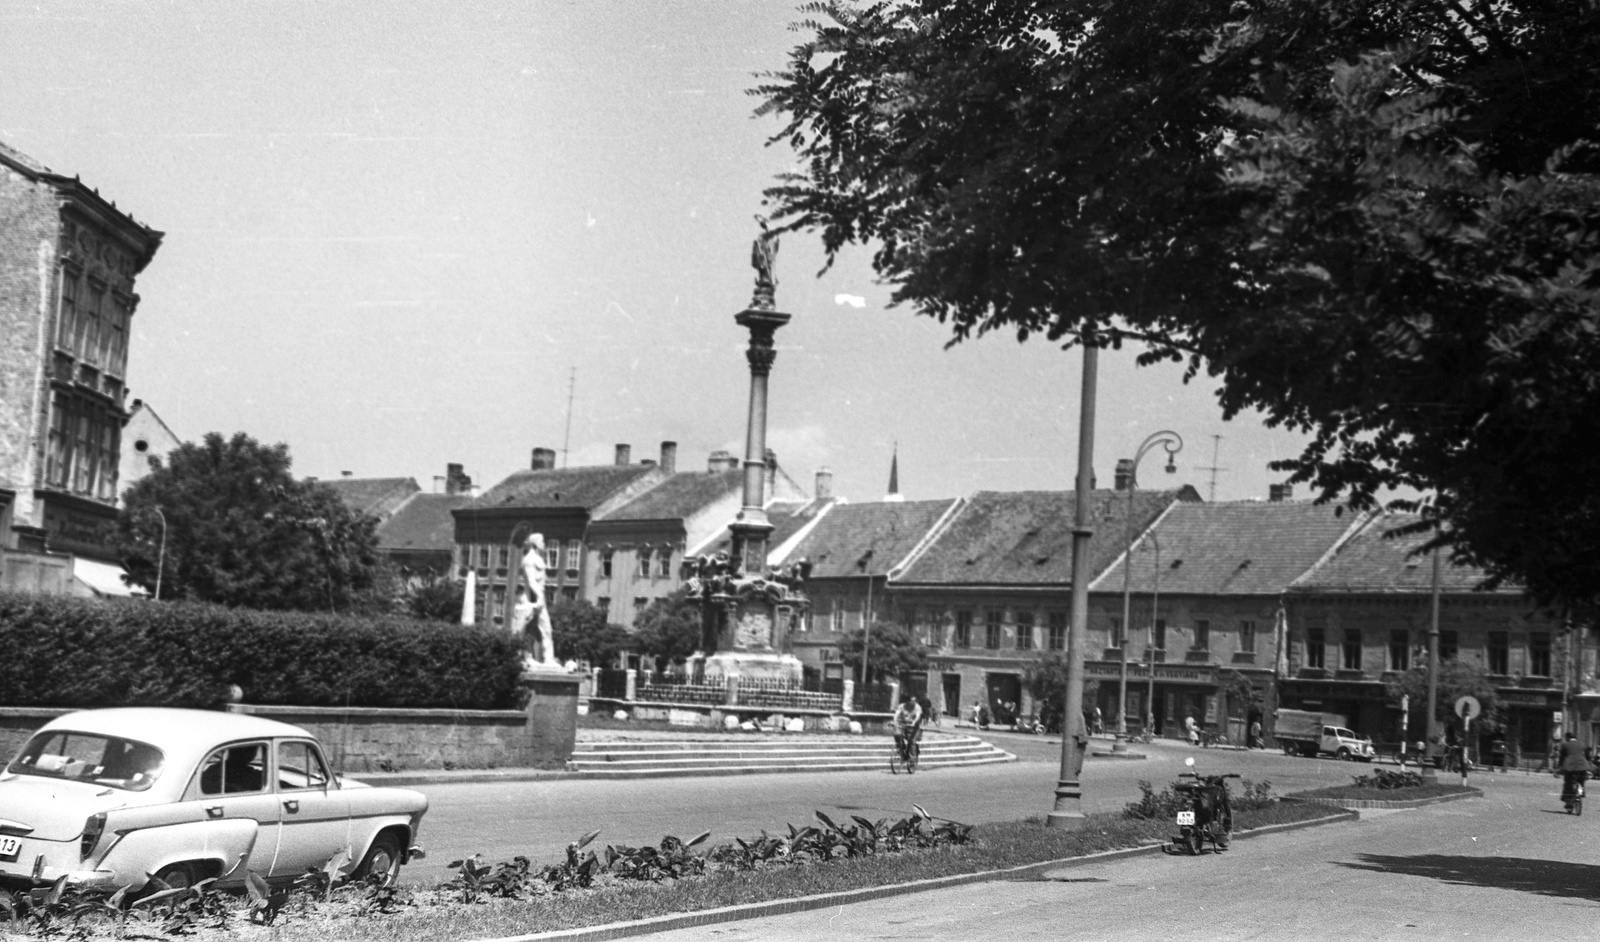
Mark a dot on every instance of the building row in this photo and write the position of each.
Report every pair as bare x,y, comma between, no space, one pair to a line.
1219,611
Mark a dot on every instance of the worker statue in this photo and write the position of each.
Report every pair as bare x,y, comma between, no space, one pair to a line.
531,601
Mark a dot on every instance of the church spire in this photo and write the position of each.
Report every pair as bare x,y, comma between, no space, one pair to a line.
894,476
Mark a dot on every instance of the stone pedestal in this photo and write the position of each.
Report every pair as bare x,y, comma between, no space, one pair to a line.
552,714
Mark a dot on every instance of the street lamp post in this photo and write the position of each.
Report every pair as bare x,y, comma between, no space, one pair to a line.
161,553
1066,812
1150,649
1173,443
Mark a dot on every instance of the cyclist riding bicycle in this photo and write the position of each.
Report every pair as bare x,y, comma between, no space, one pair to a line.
907,724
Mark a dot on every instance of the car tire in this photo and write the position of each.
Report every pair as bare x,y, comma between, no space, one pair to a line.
382,860
1343,755
178,876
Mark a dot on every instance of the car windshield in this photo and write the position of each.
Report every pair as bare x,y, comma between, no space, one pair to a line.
1343,733
90,757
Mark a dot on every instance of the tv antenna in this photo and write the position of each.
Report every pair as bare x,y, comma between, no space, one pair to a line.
1216,441
572,383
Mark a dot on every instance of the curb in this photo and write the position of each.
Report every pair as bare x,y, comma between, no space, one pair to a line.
1378,803
709,917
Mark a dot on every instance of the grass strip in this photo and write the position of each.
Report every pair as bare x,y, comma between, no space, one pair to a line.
1356,792
998,846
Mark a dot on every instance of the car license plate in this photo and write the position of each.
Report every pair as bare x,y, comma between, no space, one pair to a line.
10,847
1186,817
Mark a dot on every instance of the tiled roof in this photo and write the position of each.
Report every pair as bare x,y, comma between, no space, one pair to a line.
1025,537
368,495
1235,548
679,495
867,539
787,517
423,522
1375,561
561,487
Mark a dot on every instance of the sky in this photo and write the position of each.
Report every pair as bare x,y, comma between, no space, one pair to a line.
400,235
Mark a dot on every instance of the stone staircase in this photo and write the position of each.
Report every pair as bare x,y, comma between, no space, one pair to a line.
738,756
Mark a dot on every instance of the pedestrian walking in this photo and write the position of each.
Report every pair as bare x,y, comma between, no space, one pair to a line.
1193,730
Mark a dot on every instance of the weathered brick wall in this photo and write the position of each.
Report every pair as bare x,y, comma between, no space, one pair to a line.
29,224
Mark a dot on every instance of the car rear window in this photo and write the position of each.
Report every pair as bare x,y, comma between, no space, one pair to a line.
90,757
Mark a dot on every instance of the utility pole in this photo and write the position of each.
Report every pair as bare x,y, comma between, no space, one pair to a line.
572,384
1216,441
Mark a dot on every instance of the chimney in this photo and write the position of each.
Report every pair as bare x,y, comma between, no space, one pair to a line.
347,474
720,460
824,483
438,484
624,454
669,457
1124,474
544,459
1278,493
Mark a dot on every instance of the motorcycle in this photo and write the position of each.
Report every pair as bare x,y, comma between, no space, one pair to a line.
1572,791
1205,813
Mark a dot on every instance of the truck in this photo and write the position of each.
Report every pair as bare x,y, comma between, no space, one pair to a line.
1305,733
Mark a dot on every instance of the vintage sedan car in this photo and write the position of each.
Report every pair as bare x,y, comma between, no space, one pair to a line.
114,796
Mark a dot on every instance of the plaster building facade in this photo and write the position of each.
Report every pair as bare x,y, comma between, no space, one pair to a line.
853,549
68,263
144,437
1205,587
637,549
993,590
1361,618
558,503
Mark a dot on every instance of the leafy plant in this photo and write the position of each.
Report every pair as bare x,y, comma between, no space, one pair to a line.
673,860
1385,780
578,871
320,880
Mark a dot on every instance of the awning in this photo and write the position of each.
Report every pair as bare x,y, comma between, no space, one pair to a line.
102,578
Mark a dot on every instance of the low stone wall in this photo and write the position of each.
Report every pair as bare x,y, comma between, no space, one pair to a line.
367,739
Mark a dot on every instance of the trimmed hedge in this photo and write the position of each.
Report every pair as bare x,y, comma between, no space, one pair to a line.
70,652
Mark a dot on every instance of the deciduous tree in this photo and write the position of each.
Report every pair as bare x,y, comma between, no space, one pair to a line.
892,650
241,531
1376,221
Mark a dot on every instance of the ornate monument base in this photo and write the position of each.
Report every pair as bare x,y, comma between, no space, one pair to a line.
755,665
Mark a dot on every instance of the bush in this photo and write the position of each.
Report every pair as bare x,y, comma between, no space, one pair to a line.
1165,805
83,653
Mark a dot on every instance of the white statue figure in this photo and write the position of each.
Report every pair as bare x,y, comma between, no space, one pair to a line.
530,599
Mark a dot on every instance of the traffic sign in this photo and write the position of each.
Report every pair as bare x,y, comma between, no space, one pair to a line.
1468,707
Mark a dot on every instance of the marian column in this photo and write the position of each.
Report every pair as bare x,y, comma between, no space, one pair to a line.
745,603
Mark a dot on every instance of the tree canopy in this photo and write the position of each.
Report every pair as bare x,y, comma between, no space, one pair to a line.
892,650
582,633
241,531
669,627
1375,221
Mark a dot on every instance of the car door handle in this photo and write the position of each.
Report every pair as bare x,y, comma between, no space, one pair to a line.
291,806
214,811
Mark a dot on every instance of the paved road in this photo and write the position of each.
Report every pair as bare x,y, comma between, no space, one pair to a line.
1509,866
537,819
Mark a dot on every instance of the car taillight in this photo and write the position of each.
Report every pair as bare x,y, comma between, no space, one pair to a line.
92,829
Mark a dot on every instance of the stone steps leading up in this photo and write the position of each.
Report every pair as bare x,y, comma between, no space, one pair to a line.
747,757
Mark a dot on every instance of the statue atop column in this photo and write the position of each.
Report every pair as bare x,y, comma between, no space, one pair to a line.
764,258
531,602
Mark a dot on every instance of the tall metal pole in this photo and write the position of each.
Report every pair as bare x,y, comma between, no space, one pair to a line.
1173,442
1067,813
1150,650
1433,673
161,554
